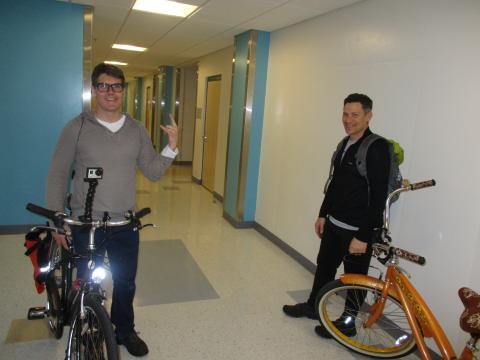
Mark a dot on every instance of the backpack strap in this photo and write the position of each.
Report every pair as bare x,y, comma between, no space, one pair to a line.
361,155
332,163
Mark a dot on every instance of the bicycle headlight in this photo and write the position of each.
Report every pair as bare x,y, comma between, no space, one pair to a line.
98,275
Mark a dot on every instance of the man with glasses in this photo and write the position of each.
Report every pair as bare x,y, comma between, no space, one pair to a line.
112,140
352,208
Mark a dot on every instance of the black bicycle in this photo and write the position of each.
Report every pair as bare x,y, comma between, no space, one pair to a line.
91,334
79,304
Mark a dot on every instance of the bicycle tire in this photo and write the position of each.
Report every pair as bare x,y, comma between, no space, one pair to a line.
54,303
388,338
93,337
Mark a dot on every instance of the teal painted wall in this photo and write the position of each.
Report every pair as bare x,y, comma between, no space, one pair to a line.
41,72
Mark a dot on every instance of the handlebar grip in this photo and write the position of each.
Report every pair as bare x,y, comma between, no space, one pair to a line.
141,213
407,255
422,184
49,214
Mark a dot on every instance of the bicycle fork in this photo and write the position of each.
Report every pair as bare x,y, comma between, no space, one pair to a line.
68,351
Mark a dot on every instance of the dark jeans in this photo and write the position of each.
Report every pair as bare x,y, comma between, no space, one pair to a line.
122,248
334,250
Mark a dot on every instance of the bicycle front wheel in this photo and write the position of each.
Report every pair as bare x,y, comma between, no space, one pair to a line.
344,310
93,337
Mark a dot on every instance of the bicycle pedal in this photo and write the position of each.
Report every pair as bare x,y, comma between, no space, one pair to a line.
36,313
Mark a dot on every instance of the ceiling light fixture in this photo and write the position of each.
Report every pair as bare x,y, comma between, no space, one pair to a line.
116,63
165,7
128,47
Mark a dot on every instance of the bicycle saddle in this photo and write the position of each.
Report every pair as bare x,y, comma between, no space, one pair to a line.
470,318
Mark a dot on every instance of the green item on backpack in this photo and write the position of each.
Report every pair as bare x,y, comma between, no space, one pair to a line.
396,158
398,150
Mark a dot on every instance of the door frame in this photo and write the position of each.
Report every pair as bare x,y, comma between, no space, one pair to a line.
212,78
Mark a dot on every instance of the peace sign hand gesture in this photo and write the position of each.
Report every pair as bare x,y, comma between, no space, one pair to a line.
172,132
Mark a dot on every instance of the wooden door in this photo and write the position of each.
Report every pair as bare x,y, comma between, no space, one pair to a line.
210,133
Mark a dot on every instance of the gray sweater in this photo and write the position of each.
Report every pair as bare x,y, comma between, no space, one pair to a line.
84,142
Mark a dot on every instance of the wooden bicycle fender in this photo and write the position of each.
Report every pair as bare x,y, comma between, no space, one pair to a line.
369,281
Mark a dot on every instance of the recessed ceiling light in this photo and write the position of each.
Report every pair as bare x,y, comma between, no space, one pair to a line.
116,63
128,47
165,7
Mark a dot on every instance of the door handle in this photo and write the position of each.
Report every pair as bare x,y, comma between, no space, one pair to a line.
204,139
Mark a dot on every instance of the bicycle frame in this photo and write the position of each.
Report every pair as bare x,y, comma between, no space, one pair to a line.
420,318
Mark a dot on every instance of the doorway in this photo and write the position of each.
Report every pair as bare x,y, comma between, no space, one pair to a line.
212,108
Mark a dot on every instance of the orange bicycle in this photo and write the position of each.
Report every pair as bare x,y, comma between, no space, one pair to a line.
387,318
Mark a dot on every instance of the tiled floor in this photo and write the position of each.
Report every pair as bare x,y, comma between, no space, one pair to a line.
205,290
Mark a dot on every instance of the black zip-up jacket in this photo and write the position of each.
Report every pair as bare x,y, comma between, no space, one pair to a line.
348,199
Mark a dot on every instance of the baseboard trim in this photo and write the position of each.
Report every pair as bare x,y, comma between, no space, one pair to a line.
196,181
238,224
182,163
218,197
302,260
15,229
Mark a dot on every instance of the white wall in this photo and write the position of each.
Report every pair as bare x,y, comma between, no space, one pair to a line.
218,63
418,60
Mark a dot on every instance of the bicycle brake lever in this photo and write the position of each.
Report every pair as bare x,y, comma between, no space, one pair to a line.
140,227
382,249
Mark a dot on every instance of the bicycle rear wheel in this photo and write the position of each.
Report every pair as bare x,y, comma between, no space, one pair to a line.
389,337
53,285
93,337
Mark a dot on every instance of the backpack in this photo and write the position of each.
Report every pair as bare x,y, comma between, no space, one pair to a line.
396,158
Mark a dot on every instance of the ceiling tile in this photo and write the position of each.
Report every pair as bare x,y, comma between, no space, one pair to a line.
143,29
174,40
233,12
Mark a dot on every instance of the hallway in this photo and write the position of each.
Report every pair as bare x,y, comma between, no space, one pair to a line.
205,290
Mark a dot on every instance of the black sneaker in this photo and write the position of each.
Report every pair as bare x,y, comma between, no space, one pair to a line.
135,346
346,327
300,310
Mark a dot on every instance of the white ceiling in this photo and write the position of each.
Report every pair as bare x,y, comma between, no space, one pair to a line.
176,41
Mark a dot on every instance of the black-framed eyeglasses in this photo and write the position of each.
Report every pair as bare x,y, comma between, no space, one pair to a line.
104,87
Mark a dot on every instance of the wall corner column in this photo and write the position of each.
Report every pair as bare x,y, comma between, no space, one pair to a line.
249,76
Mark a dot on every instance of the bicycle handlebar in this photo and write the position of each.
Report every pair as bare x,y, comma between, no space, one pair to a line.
141,213
406,187
383,247
58,218
407,255
389,251
422,184
55,216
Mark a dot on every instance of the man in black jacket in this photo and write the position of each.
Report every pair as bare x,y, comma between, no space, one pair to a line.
351,209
